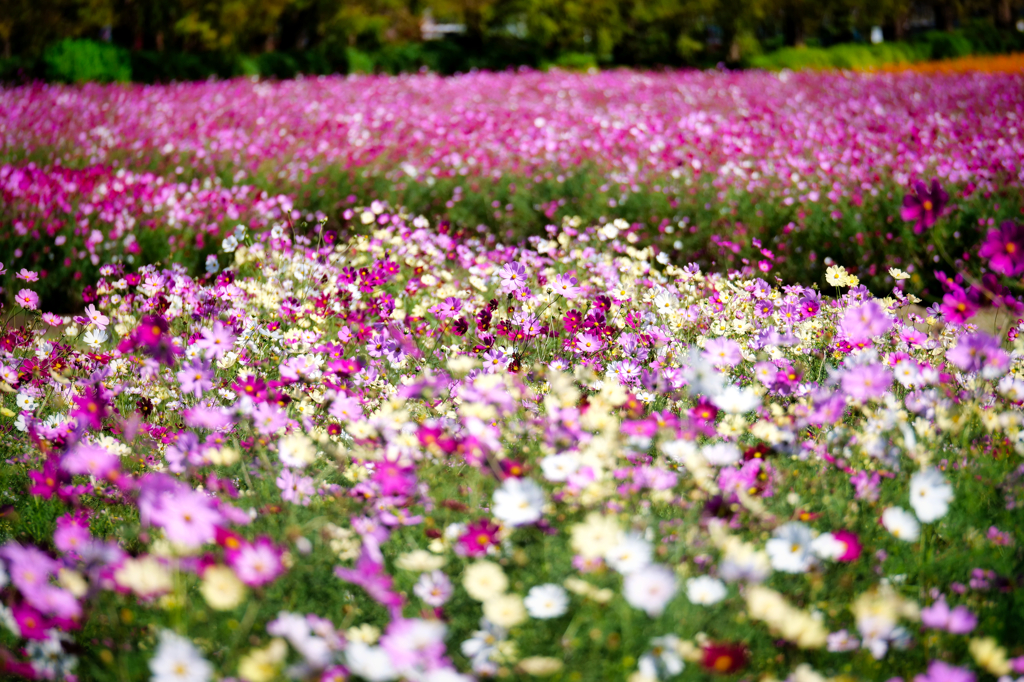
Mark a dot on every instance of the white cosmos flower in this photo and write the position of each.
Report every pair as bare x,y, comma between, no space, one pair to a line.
825,546
559,467
518,501
630,555
901,524
663,659
705,590
722,454
546,601
790,549
94,338
736,400
678,450
178,660
650,589
370,662
930,495
26,402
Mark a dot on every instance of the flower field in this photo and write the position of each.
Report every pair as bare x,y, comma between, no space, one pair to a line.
306,416
813,165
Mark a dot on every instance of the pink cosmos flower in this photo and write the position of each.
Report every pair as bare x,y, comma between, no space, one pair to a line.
89,459
865,322
513,277
72,533
268,418
27,275
958,620
188,517
295,488
1004,249
217,341
867,382
939,671
723,352
27,299
256,563
369,575
924,205
96,317
852,543
567,286
588,343
196,378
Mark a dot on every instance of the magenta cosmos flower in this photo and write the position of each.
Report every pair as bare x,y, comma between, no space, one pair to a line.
1004,249
924,205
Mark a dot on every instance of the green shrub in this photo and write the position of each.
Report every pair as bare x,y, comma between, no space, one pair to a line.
78,61
574,61
359,61
276,65
949,45
842,56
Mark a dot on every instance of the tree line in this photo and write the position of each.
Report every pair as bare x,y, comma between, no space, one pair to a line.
637,32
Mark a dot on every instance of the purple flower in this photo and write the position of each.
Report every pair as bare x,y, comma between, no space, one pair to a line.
979,352
957,306
943,672
188,517
295,489
958,620
370,575
90,409
513,277
867,382
72,533
196,378
448,308
216,341
1004,249
924,206
433,588
865,322
723,352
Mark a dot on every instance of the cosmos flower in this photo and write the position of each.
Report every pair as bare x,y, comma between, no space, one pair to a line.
519,501
924,205
930,495
176,659
790,548
901,523
650,589
546,601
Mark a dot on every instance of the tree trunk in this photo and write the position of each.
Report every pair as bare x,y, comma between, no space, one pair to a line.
947,16
793,26
1004,13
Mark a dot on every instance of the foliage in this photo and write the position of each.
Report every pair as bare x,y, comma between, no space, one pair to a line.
80,61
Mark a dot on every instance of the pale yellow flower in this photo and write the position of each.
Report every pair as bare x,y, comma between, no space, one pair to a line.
419,560
145,576
505,610
989,655
484,580
263,665
898,274
595,536
222,589
836,276
541,666
365,633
